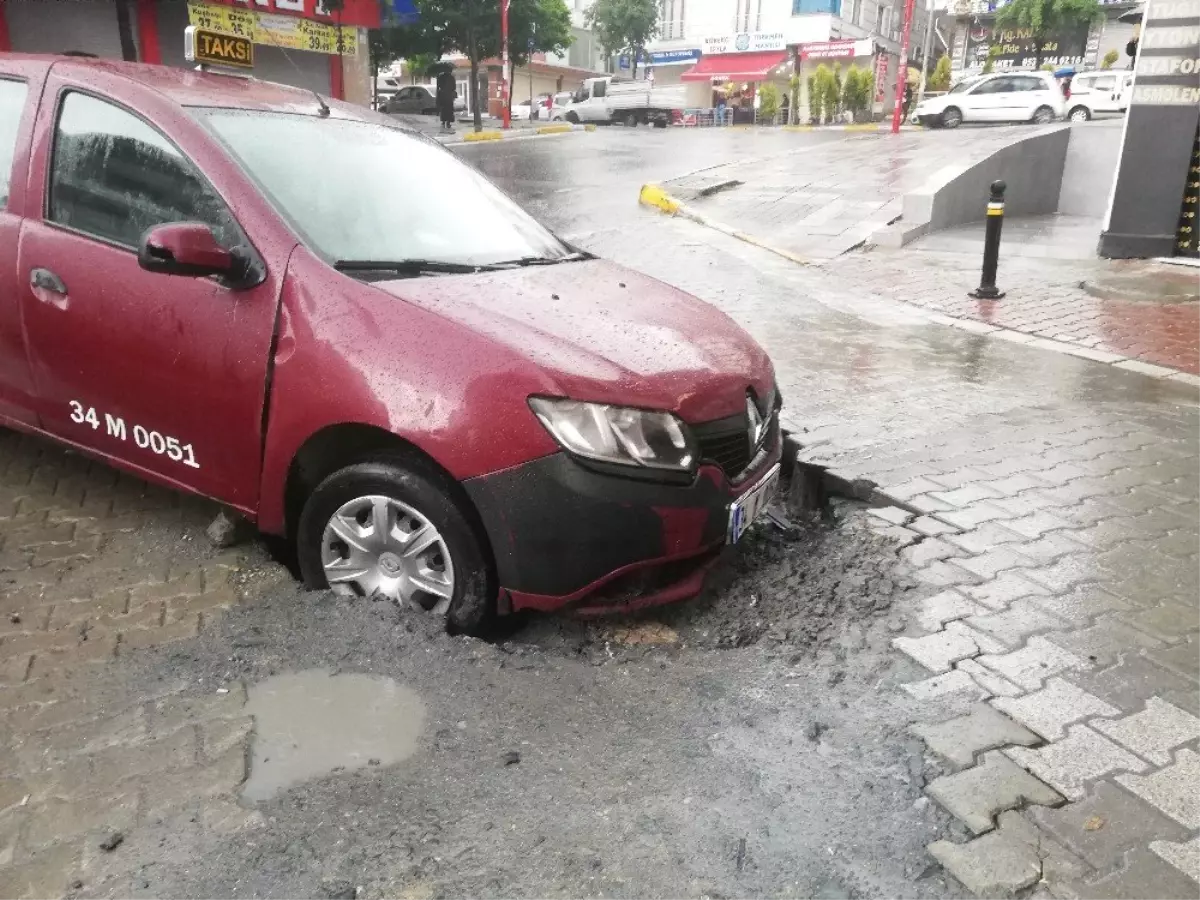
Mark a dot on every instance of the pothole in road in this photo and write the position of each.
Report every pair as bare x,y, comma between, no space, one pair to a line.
792,588
311,723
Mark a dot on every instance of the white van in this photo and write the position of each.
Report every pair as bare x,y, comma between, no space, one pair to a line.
1098,92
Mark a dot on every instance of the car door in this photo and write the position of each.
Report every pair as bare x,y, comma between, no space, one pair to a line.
20,87
165,374
1103,96
981,103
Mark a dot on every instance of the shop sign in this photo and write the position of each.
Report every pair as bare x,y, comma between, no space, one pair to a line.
829,50
276,31
355,13
661,58
1016,48
881,73
745,42
215,49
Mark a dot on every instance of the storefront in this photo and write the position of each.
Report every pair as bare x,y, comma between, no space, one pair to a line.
297,42
861,53
732,68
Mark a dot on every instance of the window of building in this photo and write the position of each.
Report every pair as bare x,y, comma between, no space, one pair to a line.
12,104
802,7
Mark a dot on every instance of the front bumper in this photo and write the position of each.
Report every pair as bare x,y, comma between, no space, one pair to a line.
565,535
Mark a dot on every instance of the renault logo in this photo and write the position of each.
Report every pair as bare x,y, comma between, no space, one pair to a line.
756,424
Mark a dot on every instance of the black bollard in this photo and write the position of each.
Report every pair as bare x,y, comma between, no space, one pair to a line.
987,289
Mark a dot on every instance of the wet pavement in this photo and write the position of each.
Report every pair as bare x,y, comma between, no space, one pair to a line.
1052,500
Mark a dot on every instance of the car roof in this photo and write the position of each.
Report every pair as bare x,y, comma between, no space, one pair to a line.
187,87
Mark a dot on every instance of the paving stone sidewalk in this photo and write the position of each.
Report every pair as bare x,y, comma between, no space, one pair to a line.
1105,310
94,565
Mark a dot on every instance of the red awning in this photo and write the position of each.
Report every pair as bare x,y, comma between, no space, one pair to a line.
735,66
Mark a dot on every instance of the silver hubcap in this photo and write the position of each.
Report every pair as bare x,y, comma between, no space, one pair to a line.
379,547
1079,115
1041,117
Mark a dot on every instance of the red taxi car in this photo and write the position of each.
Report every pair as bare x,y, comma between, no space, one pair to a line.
331,325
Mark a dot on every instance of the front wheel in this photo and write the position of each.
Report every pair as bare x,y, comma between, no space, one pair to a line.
951,117
630,120
573,118
391,530
1044,115
1079,114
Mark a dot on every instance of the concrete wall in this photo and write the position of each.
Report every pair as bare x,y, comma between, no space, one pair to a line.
1091,165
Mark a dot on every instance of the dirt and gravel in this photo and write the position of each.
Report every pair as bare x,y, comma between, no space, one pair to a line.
719,748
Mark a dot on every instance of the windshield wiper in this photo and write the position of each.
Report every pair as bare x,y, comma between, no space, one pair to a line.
410,266
543,260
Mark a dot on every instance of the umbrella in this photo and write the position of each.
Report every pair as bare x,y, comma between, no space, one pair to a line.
439,67
1064,72
1132,16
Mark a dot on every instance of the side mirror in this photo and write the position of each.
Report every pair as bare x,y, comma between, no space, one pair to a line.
186,248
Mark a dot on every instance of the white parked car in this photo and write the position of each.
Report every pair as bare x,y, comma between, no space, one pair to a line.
1000,97
1098,92
562,100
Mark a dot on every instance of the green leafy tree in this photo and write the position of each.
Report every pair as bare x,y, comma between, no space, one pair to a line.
940,79
794,90
856,91
1110,59
1045,19
768,101
814,99
470,27
830,92
417,65
989,64
623,26
544,23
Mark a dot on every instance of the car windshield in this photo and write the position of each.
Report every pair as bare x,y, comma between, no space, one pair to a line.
363,191
963,85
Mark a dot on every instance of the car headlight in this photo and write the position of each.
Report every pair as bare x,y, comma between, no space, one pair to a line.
617,434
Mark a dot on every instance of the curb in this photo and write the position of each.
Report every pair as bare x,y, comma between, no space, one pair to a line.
654,196
864,127
492,134
472,136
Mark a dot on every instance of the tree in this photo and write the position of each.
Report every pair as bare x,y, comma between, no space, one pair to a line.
856,90
1045,19
940,79
794,104
623,26
537,26
814,100
125,31
1110,59
989,64
768,102
472,27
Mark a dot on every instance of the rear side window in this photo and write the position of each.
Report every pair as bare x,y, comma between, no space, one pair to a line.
12,105
114,176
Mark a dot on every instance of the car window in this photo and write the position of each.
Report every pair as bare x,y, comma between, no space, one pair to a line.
12,104
1026,83
1105,83
599,89
995,86
114,176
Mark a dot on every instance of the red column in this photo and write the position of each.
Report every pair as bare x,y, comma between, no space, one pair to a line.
337,78
5,40
147,29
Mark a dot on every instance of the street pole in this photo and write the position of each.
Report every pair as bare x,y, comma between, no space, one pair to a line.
925,51
504,88
902,69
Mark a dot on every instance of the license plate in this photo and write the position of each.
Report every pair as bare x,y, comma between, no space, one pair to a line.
748,507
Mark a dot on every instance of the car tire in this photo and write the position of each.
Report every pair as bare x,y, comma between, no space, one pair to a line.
630,120
430,111
573,118
417,497
1079,114
1043,115
951,117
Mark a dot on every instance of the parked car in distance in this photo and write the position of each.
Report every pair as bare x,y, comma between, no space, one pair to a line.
561,102
364,347
413,100
1099,92
1003,97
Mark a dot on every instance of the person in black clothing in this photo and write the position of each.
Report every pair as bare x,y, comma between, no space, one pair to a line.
447,90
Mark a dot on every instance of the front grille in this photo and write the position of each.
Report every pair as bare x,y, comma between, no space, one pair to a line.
726,442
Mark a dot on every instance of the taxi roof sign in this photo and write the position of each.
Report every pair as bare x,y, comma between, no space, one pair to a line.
215,49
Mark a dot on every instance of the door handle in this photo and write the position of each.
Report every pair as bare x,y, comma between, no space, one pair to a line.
48,288
47,281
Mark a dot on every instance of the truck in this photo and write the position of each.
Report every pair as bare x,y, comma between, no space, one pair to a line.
608,99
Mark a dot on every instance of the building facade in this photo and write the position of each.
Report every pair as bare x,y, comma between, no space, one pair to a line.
803,33
297,42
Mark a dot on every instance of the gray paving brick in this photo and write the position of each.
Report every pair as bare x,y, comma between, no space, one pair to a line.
1033,663
938,652
931,527
1173,789
928,551
943,685
1153,732
1104,824
965,496
1014,484
1014,856
906,490
893,515
1057,705
1169,621
1049,547
974,515
976,795
1082,756
983,728
1183,658
1002,590
1082,604
1185,856
1131,682
992,562
1014,625
992,684
926,504
942,574
944,607
986,537
1066,573
1143,875
1103,642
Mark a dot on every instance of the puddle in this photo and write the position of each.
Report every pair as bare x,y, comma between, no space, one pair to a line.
306,724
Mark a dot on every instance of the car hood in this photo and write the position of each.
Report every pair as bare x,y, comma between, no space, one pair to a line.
603,333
